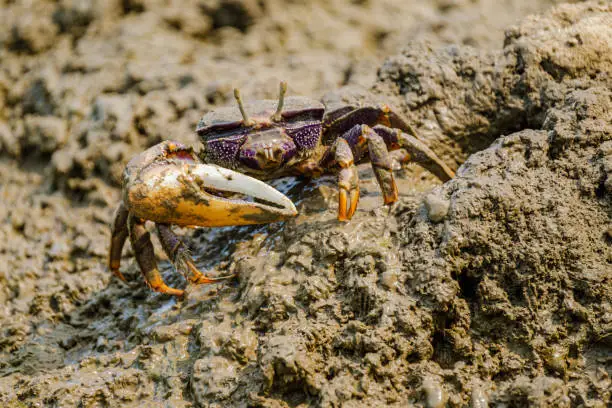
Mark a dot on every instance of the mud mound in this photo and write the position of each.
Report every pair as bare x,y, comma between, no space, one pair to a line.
494,288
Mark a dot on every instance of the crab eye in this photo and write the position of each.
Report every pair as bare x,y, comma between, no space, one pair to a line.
305,135
224,150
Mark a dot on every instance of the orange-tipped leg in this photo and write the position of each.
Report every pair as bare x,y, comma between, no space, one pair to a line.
178,253
119,233
417,151
348,197
348,180
381,164
145,256
364,142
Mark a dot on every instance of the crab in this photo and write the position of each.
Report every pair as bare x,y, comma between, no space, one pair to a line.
170,184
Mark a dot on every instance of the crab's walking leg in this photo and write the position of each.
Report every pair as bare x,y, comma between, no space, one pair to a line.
178,253
341,154
381,164
357,141
396,132
365,142
145,256
416,150
366,115
348,182
119,233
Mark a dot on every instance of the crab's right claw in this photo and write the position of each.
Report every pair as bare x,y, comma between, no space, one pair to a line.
183,191
250,201
168,184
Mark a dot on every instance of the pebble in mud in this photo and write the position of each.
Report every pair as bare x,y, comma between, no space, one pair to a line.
436,206
389,278
555,358
435,395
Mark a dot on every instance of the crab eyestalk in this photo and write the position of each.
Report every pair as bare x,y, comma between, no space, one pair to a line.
276,117
245,118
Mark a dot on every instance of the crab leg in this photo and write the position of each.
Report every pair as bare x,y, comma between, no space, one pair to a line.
375,143
341,154
356,142
119,233
348,181
145,256
416,150
178,253
396,132
381,163
366,115
365,142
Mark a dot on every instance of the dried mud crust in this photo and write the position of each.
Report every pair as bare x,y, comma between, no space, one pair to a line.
494,288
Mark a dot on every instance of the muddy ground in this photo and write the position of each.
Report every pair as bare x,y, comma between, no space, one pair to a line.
493,289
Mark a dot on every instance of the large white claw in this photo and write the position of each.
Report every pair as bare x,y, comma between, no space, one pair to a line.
223,179
187,193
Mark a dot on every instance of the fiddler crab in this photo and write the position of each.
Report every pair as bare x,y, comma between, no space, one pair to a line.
171,184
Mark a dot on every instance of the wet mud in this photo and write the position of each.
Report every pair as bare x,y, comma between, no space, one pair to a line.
493,289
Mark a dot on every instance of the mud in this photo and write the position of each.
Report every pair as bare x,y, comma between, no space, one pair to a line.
493,289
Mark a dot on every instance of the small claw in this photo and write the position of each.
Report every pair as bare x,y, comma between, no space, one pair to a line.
185,192
347,205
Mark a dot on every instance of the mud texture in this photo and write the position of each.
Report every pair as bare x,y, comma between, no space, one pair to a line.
494,289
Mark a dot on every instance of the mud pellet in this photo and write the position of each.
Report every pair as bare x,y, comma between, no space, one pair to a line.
389,279
556,359
435,395
437,207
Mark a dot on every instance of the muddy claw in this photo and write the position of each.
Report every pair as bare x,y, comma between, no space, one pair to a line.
176,188
169,185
